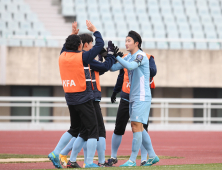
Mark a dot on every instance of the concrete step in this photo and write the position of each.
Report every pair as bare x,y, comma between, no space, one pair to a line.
49,15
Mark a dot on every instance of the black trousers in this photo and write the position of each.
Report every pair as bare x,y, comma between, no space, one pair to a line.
101,126
123,117
83,116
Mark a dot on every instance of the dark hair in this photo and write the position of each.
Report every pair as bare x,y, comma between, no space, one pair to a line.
136,37
72,42
86,38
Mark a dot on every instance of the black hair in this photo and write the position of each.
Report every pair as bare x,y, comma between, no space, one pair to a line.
136,37
72,42
86,38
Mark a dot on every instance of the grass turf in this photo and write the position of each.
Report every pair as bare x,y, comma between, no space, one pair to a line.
217,166
6,156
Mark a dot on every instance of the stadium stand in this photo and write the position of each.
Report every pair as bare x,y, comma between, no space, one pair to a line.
173,19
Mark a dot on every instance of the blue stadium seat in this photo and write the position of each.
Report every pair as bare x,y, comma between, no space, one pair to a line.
175,45
183,27
68,11
146,27
147,34
32,32
6,16
13,25
149,45
214,46
162,45
159,34
188,45
14,42
106,17
40,43
24,8
173,35
169,19
201,45
104,9
26,25
166,11
110,33
27,43
134,27
52,43
32,17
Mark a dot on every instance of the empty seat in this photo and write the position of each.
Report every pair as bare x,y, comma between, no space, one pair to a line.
68,11
26,25
6,16
188,45
201,46
52,43
40,43
32,32
14,42
106,17
146,27
38,26
147,34
24,8
214,46
19,17
173,35
27,42
13,25
110,33
134,27
149,45
159,34
162,45
175,45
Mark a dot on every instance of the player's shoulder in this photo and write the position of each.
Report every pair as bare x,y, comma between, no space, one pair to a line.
141,56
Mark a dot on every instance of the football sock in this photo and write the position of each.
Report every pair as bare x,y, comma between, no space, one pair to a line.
77,146
68,147
148,144
101,147
136,144
116,141
62,142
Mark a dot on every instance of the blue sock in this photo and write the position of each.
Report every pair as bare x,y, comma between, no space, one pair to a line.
143,153
137,141
85,151
62,142
116,141
77,146
68,147
101,147
148,144
91,149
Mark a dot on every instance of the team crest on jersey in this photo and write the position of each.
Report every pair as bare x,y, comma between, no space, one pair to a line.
139,58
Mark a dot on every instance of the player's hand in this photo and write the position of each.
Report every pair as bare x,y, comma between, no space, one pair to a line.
116,49
120,54
102,54
74,28
113,97
110,48
90,26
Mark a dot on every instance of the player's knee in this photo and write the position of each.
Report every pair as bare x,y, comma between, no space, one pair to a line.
136,126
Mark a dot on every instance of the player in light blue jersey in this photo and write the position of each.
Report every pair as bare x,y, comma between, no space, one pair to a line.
137,65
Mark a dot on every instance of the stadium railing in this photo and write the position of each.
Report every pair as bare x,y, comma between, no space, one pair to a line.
164,104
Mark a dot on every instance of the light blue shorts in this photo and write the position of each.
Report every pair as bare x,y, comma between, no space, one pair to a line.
139,111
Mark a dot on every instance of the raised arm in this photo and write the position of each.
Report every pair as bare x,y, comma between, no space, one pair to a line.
105,66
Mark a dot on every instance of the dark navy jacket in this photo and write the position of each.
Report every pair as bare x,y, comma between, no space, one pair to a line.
94,66
119,82
88,56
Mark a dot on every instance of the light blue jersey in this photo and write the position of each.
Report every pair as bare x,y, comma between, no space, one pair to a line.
139,75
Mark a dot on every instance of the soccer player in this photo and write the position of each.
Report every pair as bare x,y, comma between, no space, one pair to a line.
122,117
137,65
97,68
76,79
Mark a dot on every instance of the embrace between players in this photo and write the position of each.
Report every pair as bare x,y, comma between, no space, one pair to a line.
79,73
